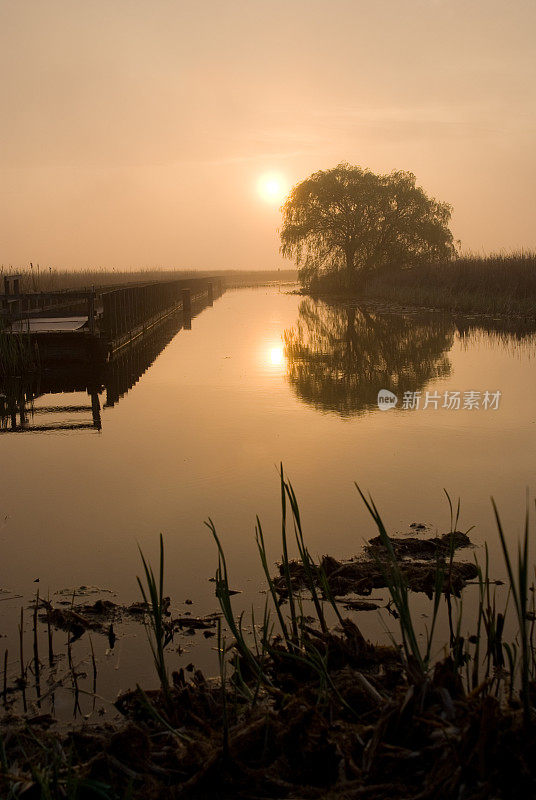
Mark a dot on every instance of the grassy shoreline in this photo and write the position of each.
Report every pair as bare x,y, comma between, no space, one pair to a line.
304,706
36,279
496,285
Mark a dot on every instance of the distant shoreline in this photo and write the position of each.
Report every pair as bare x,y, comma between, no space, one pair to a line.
386,306
35,279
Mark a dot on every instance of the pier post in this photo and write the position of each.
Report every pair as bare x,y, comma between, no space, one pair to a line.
95,409
210,290
4,305
91,310
187,308
16,292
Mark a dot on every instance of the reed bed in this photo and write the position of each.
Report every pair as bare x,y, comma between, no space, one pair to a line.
48,279
498,284
304,706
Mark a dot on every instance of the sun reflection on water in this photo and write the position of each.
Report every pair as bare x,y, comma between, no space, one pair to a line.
277,356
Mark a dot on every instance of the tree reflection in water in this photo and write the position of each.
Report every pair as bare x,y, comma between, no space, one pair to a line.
339,357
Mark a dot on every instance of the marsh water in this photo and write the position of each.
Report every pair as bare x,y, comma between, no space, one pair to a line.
196,425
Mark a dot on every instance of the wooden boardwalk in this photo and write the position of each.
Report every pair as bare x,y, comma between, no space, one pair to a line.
49,400
99,323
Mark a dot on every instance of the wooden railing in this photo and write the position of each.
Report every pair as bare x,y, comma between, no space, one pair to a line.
128,311
112,312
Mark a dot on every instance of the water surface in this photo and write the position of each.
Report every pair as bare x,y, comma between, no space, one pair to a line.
198,429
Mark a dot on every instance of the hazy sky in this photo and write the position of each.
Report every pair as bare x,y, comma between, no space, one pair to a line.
134,132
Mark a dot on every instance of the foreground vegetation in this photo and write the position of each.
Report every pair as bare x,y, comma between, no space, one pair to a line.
503,285
304,706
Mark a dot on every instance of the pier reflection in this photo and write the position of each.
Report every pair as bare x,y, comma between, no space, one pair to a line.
74,397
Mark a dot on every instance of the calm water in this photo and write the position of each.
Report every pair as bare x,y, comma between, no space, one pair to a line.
264,376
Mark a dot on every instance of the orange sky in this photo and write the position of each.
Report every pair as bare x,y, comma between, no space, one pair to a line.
134,132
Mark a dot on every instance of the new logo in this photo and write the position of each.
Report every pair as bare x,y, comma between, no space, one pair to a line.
386,400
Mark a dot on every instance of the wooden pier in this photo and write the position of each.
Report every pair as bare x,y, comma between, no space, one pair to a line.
46,401
96,324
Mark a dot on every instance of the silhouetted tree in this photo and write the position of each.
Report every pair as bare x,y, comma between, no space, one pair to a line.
351,221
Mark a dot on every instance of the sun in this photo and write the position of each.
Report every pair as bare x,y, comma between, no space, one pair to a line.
272,187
